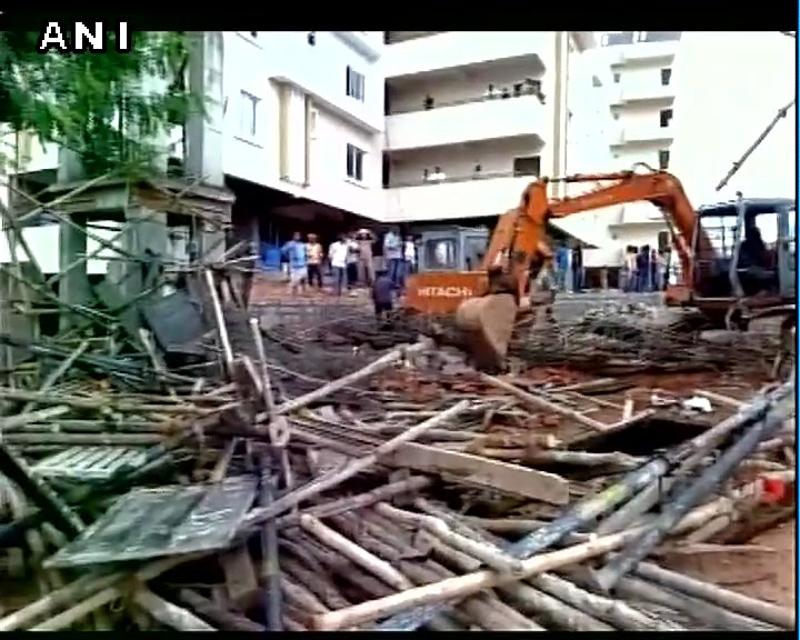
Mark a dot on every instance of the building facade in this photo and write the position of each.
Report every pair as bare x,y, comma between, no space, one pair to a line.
642,107
472,118
303,114
294,127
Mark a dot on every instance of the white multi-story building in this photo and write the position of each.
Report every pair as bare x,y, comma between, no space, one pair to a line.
303,115
298,118
642,107
472,117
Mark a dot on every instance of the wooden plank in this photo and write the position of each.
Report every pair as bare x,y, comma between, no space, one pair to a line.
491,474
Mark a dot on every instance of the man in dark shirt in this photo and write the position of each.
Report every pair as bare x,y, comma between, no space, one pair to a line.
577,268
382,294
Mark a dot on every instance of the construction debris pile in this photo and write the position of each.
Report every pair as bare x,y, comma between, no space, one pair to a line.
237,492
175,459
623,338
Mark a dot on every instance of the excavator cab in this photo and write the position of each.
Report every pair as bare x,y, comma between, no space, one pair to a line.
751,256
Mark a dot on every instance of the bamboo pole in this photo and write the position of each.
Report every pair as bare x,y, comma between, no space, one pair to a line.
226,620
59,371
352,503
700,610
84,587
220,318
355,553
487,553
615,612
456,588
335,478
462,586
740,603
541,403
167,613
26,417
381,364
542,605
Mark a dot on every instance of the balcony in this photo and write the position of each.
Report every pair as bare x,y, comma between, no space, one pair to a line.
466,121
641,135
468,197
453,49
646,92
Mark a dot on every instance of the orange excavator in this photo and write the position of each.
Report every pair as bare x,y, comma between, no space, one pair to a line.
733,278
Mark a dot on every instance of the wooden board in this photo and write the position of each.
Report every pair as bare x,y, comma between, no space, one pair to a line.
477,471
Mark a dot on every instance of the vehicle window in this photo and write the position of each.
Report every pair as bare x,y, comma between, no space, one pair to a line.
475,248
441,254
767,224
792,239
721,232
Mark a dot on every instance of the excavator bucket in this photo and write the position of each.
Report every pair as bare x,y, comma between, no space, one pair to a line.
487,323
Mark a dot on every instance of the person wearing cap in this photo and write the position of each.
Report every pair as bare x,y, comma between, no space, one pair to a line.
315,253
365,239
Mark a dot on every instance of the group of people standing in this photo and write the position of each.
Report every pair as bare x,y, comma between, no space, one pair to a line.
350,259
645,269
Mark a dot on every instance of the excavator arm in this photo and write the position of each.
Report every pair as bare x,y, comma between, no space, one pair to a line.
521,234
519,247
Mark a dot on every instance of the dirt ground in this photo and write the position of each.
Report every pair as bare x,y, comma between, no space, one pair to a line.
769,576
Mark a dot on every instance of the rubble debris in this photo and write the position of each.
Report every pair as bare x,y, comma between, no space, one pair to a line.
335,473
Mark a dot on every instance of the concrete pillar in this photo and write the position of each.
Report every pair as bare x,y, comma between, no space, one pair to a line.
73,288
204,132
151,234
70,168
604,278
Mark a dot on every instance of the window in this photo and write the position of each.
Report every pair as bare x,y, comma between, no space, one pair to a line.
663,159
530,166
663,240
355,84
475,249
355,163
767,224
247,122
441,254
616,78
666,76
665,115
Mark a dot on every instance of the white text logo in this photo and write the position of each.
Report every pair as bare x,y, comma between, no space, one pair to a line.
445,292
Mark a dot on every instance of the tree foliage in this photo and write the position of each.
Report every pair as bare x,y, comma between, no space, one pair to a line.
108,107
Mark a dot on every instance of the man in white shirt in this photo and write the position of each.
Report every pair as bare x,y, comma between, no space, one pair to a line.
409,257
438,175
393,255
337,255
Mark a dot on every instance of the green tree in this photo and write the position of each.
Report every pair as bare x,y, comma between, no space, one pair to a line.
107,107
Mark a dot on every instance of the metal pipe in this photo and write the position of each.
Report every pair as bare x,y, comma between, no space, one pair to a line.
681,503
685,456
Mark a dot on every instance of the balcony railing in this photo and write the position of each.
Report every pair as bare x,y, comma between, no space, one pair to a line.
478,175
527,90
467,122
467,197
632,37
